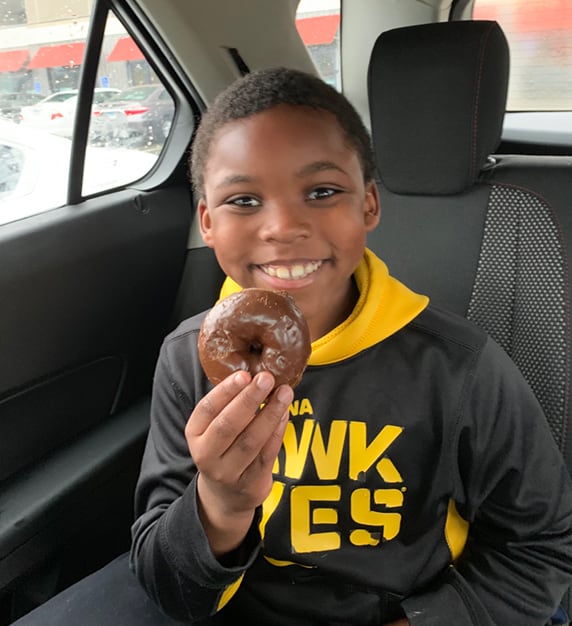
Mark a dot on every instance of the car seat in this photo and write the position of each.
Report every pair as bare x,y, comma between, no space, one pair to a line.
483,235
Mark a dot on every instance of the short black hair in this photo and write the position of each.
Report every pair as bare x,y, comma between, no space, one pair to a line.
264,89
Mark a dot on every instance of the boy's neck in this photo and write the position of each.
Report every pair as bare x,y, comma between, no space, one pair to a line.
336,315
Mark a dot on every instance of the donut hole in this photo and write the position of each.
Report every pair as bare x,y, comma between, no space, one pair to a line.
255,347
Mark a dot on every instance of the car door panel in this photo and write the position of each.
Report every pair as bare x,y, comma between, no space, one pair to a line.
48,508
47,416
69,284
88,293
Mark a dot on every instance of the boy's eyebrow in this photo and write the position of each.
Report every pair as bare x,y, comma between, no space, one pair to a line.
318,166
311,168
232,179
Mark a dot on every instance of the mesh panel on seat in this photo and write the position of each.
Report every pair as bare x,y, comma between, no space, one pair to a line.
519,295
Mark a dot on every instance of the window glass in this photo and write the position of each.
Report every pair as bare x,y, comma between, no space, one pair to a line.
318,23
539,33
42,46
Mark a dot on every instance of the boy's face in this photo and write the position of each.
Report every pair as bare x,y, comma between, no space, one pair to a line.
286,208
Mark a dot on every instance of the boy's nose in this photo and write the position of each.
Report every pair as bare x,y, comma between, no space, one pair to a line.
285,222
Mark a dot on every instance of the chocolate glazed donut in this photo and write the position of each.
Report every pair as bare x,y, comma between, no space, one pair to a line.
255,330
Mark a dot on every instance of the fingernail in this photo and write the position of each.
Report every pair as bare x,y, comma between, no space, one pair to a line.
264,382
284,394
241,378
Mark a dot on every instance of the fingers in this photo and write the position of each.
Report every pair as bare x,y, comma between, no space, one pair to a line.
262,438
272,446
211,405
234,440
258,472
225,413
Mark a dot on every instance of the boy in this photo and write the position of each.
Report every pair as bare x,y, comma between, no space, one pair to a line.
411,479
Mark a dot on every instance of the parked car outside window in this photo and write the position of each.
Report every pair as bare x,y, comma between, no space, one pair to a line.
56,113
137,117
12,103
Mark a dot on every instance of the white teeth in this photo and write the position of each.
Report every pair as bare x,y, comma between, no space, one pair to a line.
293,272
297,271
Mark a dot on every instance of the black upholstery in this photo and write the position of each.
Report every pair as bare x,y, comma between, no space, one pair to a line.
437,96
519,294
539,339
484,235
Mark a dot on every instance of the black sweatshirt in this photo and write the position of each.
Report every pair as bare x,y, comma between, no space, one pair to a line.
417,476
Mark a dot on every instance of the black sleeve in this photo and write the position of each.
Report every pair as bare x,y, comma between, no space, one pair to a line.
170,554
515,491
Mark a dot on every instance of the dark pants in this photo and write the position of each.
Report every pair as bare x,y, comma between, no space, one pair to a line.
111,596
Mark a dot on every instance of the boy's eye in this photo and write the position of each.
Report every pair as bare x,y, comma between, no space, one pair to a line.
246,202
322,192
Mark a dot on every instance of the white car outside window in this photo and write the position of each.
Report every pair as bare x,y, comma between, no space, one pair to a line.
56,113
34,170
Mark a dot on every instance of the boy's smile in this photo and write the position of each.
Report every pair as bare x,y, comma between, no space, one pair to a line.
286,207
295,271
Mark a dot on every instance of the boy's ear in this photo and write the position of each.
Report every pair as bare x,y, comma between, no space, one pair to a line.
372,207
205,222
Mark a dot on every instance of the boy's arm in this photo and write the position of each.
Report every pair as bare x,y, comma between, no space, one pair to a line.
514,489
170,553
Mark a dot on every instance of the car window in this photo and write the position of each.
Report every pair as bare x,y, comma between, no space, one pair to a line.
43,54
539,106
60,97
104,95
318,23
135,93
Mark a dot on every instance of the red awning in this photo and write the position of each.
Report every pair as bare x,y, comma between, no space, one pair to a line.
12,60
318,30
63,55
536,18
125,50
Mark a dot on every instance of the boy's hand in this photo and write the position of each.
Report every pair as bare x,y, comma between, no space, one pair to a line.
234,446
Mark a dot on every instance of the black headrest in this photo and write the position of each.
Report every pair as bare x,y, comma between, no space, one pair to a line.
437,97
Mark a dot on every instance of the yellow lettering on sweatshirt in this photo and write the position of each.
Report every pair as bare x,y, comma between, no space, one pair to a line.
363,455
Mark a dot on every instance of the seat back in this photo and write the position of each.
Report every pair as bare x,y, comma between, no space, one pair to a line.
436,116
487,236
